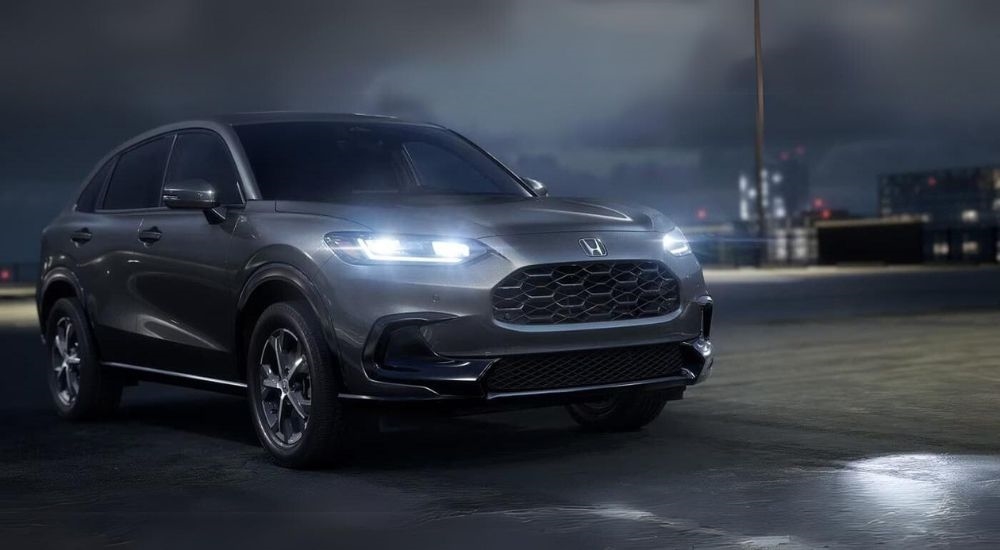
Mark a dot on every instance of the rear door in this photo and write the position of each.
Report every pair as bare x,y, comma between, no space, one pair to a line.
132,190
80,237
183,274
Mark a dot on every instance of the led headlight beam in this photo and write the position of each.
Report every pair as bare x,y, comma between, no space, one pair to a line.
676,243
356,248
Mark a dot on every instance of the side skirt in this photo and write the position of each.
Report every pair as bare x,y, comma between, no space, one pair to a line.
135,372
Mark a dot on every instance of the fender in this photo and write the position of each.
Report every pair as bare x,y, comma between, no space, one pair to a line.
314,296
54,275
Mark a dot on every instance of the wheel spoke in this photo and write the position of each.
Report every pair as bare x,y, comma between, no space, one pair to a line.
272,419
60,342
296,365
281,413
270,382
71,382
276,342
270,371
300,405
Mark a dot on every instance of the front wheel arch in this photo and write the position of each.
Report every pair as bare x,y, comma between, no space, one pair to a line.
271,284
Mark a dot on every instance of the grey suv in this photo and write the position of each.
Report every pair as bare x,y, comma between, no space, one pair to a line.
319,262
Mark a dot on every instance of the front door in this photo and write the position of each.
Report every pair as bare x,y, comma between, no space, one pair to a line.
183,272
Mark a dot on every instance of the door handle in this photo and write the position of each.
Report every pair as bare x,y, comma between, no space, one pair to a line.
150,236
81,236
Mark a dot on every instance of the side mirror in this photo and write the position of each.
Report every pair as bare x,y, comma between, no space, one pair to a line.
196,194
537,187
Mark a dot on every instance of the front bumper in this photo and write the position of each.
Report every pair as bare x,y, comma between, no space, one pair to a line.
420,333
400,355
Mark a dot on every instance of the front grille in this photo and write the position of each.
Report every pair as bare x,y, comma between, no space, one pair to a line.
585,292
544,371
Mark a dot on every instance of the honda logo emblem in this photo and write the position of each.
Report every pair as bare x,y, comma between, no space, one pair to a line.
593,247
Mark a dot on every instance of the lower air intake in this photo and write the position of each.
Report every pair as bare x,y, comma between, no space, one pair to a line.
545,371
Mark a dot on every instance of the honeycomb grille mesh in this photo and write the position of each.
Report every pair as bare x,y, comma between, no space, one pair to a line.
545,371
585,292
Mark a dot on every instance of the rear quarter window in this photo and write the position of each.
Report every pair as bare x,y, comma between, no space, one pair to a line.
87,201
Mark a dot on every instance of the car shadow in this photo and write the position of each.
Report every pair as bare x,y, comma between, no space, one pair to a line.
449,442
217,416
400,440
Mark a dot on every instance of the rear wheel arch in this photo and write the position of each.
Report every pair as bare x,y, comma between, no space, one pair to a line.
271,284
57,284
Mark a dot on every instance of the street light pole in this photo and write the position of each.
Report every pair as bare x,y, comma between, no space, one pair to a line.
759,138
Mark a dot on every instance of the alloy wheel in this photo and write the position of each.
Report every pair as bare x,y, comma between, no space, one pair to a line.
66,361
285,387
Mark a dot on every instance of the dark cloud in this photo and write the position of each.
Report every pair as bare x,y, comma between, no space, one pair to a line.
883,70
868,86
80,77
596,96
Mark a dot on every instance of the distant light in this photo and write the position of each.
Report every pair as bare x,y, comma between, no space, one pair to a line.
970,247
932,181
941,249
785,155
970,216
817,203
800,150
702,214
6,274
826,214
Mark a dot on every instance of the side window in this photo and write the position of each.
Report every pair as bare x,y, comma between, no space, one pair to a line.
87,201
204,156
441,170
138,176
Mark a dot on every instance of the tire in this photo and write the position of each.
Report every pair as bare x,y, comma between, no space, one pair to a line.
293,394
620,412
79,387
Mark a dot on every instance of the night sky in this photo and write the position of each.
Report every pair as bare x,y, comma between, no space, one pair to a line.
651,101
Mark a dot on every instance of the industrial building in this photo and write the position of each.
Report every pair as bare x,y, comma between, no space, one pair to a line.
785,189
954,197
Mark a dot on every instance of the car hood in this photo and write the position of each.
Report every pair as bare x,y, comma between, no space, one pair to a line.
484,216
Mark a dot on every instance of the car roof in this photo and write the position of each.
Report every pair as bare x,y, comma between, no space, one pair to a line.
238,119
218,122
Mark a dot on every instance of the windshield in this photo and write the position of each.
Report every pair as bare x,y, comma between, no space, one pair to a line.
335,161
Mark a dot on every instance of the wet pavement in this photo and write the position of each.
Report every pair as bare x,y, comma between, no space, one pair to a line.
880,428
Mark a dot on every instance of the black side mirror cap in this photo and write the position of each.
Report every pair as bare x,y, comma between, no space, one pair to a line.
196,194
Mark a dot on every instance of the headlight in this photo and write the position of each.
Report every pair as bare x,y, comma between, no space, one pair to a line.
365,248
676,243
